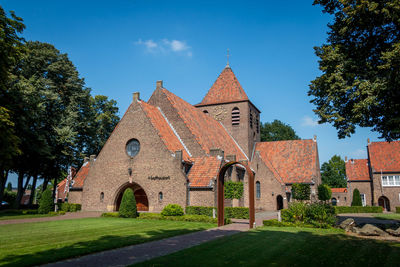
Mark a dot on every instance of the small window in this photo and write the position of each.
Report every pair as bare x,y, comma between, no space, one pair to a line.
101,197
160,196
251,120
132,147
235,116
334,202
258,190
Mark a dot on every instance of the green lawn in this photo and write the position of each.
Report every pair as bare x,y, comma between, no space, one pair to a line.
37,243
278,246
12,215
387,216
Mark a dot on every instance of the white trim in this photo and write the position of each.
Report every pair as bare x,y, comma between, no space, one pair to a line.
176,134
363,199
392,183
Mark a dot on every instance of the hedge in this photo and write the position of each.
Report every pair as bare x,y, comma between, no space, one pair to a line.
358,209
230,212
397,209
276,223
172,210
70,207
110,214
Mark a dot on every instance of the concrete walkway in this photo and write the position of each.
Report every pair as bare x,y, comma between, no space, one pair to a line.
67,216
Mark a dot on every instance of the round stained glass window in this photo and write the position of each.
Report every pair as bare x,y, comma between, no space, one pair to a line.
132,147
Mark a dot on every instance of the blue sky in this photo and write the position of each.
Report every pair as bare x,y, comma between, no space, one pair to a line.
120,47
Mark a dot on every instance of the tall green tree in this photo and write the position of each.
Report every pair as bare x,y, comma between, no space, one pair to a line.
333,172
356,198
360,65
301,191
277,131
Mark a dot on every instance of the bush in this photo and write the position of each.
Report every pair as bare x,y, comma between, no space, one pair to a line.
276,223
301,191
172,210
359,209
46,202
317,214
397,209
356,198
70,207
233,190
186,218
30,212
110,214
199,210
10,197
127,209
295,212
324,192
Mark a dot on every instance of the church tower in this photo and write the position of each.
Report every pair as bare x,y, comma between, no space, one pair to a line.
227,102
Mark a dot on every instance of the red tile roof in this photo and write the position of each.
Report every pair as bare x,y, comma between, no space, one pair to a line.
61,189
357,170
339,190
203,171
208,132
225,89
293,161
165,131
81,175
385,156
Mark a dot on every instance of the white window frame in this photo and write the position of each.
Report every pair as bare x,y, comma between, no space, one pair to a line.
363,199
390,180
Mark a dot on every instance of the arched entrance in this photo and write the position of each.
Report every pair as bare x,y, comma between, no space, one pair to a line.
334,201
279,202
142,203
384,203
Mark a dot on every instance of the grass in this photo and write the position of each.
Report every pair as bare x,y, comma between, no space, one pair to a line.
387,216
277,246
29,244
13,214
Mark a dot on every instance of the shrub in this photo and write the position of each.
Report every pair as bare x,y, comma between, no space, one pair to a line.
127,209
186,218
233,190
320,214
397,209
301,191
172,210
30,212
70,207
356,198
295,212
324,192
359,209
237,212
276,223
9,197
110,214
46,202
199,210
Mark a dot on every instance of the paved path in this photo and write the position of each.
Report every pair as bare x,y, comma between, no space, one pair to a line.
67,216
146,251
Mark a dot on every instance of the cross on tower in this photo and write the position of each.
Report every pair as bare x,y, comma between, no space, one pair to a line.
227,56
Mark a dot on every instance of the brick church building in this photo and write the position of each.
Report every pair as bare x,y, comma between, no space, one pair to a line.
169,151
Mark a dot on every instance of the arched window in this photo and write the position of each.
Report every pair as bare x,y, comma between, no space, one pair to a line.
235,116
334,202
160,196
251,120
205,112
258,190
101,197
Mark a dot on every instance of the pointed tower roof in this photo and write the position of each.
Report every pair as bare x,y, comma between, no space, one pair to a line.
225,89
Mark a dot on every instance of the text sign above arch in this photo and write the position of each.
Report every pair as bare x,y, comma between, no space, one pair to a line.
220,189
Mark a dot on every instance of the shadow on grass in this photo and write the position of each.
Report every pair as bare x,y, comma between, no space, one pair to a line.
270,246
87,247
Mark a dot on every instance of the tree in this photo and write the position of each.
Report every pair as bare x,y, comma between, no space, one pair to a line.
301,191
127,209
361,68
333,172
46,203
9,186
356,198
324,192
277,131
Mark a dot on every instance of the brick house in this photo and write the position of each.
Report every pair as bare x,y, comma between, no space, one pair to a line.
377,177
169,151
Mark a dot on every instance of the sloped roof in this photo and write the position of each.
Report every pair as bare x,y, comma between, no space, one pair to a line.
294,161
339,190
81,175
385,156
225,89
204,169
357,170
165,131
208,132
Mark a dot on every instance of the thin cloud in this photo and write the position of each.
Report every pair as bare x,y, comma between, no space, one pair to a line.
307,121
166,46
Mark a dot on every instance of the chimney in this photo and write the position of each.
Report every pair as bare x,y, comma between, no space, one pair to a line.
85,160
345,159
159,84
136,97
214,152
352,161
231,157
178,155
315,138
368,141
92,158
